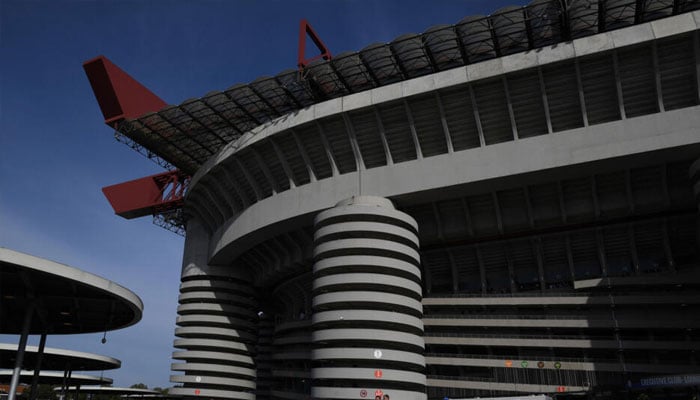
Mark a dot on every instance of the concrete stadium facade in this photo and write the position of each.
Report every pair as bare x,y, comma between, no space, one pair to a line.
524,224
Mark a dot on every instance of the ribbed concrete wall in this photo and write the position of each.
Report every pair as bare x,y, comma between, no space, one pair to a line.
367,327
216,327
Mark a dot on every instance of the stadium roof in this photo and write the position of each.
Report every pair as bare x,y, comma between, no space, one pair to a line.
186,135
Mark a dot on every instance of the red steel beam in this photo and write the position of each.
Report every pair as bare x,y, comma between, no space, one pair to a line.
122,97
149,195
304,30
119,95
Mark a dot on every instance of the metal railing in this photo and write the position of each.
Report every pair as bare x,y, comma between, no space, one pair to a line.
510,316
502,336
519,357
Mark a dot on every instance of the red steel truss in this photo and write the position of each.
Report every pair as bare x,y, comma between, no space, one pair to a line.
123,100
122,97
119,95
304,30
151,195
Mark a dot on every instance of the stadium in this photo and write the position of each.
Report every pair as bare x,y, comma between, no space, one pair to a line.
500,207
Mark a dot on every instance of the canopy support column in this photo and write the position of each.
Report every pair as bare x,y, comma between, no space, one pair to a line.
37,367
20,351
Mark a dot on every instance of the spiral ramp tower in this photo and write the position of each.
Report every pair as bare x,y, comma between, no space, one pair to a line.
367,312
217,328
533,181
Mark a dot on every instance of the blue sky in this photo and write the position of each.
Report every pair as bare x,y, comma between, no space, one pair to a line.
56,153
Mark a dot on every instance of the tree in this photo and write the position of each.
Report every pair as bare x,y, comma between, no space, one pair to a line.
44,392
138,386
161,390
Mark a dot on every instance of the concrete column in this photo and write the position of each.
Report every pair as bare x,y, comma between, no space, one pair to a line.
216,326
367,312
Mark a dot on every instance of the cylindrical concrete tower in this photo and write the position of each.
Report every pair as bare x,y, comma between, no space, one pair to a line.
367,312
216,326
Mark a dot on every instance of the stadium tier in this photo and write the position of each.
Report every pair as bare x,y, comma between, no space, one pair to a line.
500,207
